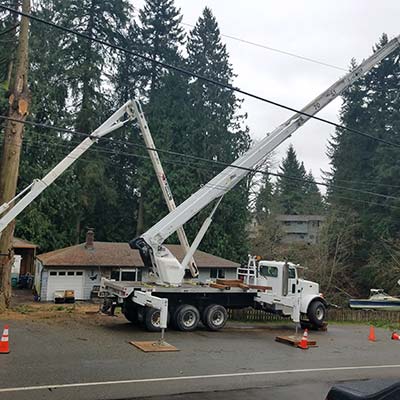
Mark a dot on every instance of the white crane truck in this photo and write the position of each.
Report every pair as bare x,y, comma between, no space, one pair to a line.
268,285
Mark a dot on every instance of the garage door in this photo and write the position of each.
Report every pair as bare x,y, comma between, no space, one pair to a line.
65,280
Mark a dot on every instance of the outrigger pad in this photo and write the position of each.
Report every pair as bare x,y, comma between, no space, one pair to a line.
366,390
157,346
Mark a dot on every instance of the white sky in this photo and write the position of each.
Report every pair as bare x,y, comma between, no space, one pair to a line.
332,32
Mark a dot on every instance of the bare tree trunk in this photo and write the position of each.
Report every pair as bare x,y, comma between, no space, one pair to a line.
13,134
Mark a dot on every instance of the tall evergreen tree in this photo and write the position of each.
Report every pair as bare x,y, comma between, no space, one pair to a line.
371,105
264,200
217,131
289,189
312,196
159,37
87,65
70,82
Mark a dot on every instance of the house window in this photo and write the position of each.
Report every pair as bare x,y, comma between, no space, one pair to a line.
70,273
53,273
79,273
126,274
61,273
217,273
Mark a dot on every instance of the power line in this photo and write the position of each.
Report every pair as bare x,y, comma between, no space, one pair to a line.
177,162
207,160
195,75
368,182
367,202
287,53
9,29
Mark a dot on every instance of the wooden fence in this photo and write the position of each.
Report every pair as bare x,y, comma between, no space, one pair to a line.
344,315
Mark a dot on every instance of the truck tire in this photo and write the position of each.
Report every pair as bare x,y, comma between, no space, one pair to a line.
152,319
316,313
130,313
106,306
214,317
186,318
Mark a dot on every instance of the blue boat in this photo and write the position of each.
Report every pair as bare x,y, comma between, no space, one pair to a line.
378,300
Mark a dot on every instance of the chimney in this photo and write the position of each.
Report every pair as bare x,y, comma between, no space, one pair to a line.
89,244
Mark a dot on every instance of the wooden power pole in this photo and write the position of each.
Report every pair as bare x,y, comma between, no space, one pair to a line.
13,133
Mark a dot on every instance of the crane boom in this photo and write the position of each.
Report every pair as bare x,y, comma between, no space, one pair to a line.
158,257
30,193
162,179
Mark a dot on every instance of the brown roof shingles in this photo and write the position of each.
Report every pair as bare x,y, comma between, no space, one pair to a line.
23,244
113,254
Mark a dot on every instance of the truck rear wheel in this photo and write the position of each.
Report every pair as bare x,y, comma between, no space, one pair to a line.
214,317
186,318
130,313
316,313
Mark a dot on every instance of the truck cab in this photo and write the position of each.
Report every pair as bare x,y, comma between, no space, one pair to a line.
285,289
280,276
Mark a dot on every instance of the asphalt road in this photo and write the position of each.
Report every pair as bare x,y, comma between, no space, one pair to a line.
84,360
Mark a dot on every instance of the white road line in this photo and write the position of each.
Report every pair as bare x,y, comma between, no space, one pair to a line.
194,377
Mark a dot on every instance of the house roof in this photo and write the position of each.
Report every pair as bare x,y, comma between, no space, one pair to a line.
112,254
23,244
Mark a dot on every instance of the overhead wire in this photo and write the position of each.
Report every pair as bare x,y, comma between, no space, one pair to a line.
287,53
202,159
195,75
8,30
369,202
209,80
177,162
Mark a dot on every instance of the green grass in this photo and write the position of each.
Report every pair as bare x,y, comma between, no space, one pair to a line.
23,309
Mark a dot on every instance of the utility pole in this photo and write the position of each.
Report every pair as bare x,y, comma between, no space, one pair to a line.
18,99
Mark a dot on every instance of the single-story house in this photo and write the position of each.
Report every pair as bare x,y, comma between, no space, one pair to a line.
81,267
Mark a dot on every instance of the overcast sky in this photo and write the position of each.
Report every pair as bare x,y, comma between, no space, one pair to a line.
332,32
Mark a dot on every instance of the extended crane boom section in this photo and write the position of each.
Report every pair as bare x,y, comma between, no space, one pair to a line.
162,180
157,256
30,193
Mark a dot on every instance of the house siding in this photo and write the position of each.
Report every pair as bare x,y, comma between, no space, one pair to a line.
43,289
205,273
92,277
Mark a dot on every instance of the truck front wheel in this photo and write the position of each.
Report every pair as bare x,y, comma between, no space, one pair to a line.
215,317
152,319
186,318
316,313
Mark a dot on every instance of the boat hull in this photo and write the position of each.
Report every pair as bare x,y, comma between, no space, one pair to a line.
366,304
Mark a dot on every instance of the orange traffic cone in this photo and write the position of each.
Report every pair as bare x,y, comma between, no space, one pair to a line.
371,336
395,336
304,341
4,348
